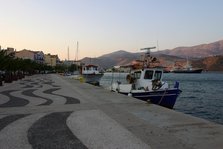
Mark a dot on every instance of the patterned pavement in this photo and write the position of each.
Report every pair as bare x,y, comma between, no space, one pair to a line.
35,113
42,130
54,112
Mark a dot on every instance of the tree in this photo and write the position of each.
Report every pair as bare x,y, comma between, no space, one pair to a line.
7,65
60,68
72,68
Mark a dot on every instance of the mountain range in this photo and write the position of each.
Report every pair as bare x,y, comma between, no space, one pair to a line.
198,51
206,56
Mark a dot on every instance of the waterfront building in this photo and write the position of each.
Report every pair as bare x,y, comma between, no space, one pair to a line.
10,51
37,56
51,60
25,54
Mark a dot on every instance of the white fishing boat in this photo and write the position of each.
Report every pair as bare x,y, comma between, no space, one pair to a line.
91,74
146,84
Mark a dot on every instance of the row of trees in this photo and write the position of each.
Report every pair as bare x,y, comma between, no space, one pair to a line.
12,68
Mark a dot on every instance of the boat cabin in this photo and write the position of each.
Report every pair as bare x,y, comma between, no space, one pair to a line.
146,79
90,69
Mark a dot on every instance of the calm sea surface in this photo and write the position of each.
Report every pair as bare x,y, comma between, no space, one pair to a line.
202,94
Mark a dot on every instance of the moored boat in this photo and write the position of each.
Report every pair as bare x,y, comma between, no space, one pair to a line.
187,69
146,84
91,74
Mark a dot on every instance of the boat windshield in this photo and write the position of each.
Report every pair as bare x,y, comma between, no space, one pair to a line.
148,74
137,74
158,75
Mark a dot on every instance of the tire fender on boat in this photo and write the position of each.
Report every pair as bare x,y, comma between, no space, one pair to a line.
156,84
130,94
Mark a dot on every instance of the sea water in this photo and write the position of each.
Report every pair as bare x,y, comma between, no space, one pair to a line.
202,94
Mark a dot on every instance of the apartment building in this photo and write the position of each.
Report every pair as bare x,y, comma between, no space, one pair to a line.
51,60
37,56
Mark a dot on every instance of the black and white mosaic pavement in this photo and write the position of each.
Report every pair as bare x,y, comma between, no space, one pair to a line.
54,112
29,86
42,112
51,132
41,130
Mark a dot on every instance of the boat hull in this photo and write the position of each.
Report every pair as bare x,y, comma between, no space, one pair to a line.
166,98
188,71
92,78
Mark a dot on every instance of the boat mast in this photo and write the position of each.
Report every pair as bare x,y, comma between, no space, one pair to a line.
147,57
76,57
68,54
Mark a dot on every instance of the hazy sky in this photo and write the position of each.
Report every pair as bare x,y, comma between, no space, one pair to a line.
104,26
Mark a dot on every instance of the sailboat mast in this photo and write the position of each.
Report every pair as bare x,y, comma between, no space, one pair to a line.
68,54
76,58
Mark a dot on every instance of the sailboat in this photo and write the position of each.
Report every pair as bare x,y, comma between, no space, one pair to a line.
77,63
91,74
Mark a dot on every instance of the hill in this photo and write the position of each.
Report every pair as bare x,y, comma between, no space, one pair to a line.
199,51
212,63
122,57
207,56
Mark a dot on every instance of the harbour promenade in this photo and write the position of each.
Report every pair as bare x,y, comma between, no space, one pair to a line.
54,112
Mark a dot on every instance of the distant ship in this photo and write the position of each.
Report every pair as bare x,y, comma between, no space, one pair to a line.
187,69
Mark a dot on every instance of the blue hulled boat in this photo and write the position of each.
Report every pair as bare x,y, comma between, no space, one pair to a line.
146,84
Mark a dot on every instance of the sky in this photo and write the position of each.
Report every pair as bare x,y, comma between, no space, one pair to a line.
105,26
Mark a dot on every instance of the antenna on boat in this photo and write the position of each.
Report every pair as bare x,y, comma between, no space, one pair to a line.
157,45
148,48
147,57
